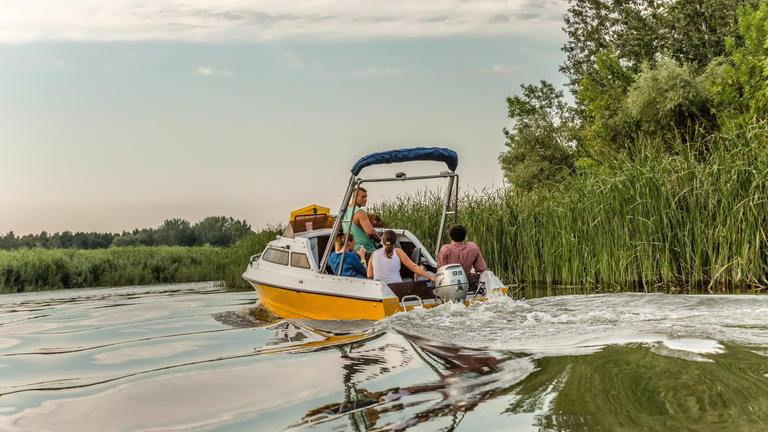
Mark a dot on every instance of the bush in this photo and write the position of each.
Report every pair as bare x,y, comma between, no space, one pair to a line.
670,100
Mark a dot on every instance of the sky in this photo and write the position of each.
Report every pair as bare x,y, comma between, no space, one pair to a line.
120,114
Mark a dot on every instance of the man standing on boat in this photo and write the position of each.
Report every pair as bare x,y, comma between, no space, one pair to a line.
467,254
361,227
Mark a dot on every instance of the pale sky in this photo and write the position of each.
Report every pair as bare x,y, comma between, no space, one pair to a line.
119,114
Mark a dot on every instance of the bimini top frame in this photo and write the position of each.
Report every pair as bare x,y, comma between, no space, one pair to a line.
395,156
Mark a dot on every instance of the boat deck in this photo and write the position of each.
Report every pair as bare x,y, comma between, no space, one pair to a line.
421,289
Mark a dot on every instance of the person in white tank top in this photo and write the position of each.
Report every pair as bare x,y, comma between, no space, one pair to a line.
384,264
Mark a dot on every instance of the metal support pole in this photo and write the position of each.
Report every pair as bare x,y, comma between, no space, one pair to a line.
446,206
349,229
336,225
456,203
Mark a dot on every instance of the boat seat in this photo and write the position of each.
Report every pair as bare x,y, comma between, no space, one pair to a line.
415,256
319,244
410,249
406,273
474,281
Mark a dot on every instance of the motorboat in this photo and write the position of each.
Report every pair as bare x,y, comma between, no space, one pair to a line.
294,280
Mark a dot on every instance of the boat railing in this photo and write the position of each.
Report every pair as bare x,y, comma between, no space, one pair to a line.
414,297
395,156
452,193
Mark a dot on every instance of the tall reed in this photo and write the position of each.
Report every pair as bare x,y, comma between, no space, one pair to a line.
41,269
688,222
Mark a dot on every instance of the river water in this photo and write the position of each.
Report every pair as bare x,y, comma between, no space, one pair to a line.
196,357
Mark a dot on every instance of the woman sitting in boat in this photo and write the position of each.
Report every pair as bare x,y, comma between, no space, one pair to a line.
353,265
384,264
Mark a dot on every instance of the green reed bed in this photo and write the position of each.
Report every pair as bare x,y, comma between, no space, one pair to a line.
690,222
40,269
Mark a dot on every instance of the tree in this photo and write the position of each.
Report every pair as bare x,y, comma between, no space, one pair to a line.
670,101
607,128
238,229
80,241
213,231
65,240
220,231
125,239
695,31
9,241
740,82
640,32
175,232
540,145
146,236
629,28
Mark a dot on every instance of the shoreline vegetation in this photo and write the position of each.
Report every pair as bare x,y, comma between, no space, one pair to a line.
658,223
655,177
176,251
40,269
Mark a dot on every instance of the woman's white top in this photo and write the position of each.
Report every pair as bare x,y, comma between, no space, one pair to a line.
386,269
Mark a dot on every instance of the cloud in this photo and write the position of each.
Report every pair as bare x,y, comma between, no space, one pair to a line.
505,70
374,71
495,70
209,71
499,19
263,20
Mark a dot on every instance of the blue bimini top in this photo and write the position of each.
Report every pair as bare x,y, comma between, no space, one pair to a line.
407,155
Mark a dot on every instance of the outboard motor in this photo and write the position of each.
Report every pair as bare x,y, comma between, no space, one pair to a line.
451,284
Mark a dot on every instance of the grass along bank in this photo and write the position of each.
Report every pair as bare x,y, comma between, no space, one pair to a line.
39,269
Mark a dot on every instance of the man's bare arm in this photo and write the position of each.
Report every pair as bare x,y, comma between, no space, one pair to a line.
361,219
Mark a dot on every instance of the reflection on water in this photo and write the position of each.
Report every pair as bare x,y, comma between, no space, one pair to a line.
194,357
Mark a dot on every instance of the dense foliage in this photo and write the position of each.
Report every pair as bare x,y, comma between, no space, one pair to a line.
40,269
540,139
678,74
656,175
213,231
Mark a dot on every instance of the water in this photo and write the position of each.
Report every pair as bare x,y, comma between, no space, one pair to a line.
195,357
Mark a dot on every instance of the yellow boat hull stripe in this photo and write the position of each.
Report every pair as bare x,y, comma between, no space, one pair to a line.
293,303
289,303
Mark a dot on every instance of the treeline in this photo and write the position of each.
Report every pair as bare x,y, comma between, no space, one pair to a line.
220,231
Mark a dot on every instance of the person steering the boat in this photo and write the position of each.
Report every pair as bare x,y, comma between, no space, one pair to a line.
361,228
467,254
353,262
384,264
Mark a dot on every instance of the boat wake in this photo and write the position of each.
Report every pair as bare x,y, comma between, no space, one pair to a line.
676,325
